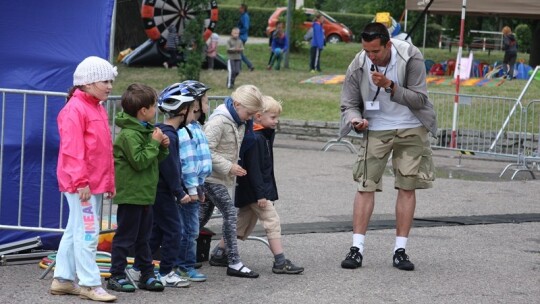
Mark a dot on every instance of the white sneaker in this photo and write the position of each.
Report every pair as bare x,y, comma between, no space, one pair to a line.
134,274
96,294
173,280
166,65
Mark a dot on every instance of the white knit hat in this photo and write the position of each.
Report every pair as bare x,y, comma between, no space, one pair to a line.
93,69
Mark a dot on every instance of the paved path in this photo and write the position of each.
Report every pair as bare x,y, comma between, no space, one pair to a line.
466,262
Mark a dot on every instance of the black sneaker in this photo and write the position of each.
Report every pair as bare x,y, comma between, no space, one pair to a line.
353,259
401,260
219,260
288,267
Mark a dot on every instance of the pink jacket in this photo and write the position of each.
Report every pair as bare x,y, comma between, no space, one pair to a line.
86,152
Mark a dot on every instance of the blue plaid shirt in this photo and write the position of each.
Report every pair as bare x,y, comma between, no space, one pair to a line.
195,157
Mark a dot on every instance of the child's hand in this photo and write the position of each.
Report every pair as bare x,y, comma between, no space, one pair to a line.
165,142
202,197
193,198
110,195
84,193
184,200
157,134
262,202
237,170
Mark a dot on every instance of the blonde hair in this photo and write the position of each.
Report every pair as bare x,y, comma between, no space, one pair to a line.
249,96
271,105
506,30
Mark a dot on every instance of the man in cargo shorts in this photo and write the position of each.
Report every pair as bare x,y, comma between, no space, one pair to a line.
384,96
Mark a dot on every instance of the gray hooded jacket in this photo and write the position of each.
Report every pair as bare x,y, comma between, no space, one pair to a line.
411,91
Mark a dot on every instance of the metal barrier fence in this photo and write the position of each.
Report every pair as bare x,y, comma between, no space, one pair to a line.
479,118
43,98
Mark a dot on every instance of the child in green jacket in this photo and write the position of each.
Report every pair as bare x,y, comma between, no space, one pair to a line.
138,149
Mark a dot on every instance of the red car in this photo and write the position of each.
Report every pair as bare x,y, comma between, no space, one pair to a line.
333,31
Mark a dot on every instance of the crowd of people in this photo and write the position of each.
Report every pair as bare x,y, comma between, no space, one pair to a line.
188,160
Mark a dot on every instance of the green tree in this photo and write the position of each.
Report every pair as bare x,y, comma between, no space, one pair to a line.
192,42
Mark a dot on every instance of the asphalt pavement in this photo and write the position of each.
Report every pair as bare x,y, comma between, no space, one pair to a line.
476,239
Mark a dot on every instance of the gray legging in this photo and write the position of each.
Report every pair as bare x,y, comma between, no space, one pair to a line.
219,195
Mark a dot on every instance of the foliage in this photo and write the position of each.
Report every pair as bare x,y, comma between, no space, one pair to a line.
229,16
193,43
524,37
309,101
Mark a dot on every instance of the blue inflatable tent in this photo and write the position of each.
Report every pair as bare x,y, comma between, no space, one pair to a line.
42,43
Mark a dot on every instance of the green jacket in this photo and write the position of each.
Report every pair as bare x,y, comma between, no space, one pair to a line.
136,160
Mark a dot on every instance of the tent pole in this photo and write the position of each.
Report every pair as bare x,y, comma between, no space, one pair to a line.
113,30
453,141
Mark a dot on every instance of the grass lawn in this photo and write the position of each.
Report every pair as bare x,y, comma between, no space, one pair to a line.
309,101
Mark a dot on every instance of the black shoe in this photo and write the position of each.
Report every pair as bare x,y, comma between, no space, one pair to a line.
238,273
219,260
353,259
251,69
288,267
401,260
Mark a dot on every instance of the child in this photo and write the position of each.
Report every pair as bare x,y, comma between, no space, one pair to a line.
211,50
225,131
235,47
279,46
85,172
256,192
317,44
174,101
138,149
196,167
171,47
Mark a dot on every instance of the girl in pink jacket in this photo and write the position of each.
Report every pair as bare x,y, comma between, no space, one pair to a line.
85,172
211,50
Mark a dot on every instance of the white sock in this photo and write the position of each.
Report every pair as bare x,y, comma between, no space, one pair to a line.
239,265
401,242
358,241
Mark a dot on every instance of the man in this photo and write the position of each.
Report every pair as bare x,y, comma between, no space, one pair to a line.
384,96
243,25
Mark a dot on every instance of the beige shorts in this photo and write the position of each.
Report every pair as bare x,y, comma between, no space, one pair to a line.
248,216
412,159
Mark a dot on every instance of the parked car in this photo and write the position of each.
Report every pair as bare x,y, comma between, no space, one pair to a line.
334,31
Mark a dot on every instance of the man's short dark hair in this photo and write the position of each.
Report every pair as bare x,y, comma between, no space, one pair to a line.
244,6
375,30
138,96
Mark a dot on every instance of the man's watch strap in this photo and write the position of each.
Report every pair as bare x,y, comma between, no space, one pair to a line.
390,88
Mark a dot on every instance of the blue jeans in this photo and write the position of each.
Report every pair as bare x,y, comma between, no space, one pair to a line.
189,232
244,58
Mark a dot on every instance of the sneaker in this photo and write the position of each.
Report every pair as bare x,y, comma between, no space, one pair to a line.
269,67
219,260
353,259
66,287
134,274
251,69
96,294
312,71
401,260
165,65
120,284
288,267
151,284
173,280
192,275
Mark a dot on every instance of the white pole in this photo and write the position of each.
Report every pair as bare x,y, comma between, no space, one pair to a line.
453,141
111,37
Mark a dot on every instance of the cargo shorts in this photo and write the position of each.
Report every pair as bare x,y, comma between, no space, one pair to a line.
412,159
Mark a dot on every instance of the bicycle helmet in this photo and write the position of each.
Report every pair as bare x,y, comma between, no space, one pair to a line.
199,87
173,97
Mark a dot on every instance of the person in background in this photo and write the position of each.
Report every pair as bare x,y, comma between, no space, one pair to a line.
138,149
85,172
317,44
243,26
279,47
234,50
211,50
279,24
256,192
171,47
510,48
385,97
226,128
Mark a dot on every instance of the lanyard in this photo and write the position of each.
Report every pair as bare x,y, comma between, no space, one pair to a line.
375,68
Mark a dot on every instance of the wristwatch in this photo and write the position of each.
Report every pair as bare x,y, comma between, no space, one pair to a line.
389,89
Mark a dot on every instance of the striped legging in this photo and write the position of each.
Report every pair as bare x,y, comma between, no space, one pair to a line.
219,195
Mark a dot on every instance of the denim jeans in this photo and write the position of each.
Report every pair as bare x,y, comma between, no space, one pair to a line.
189,232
